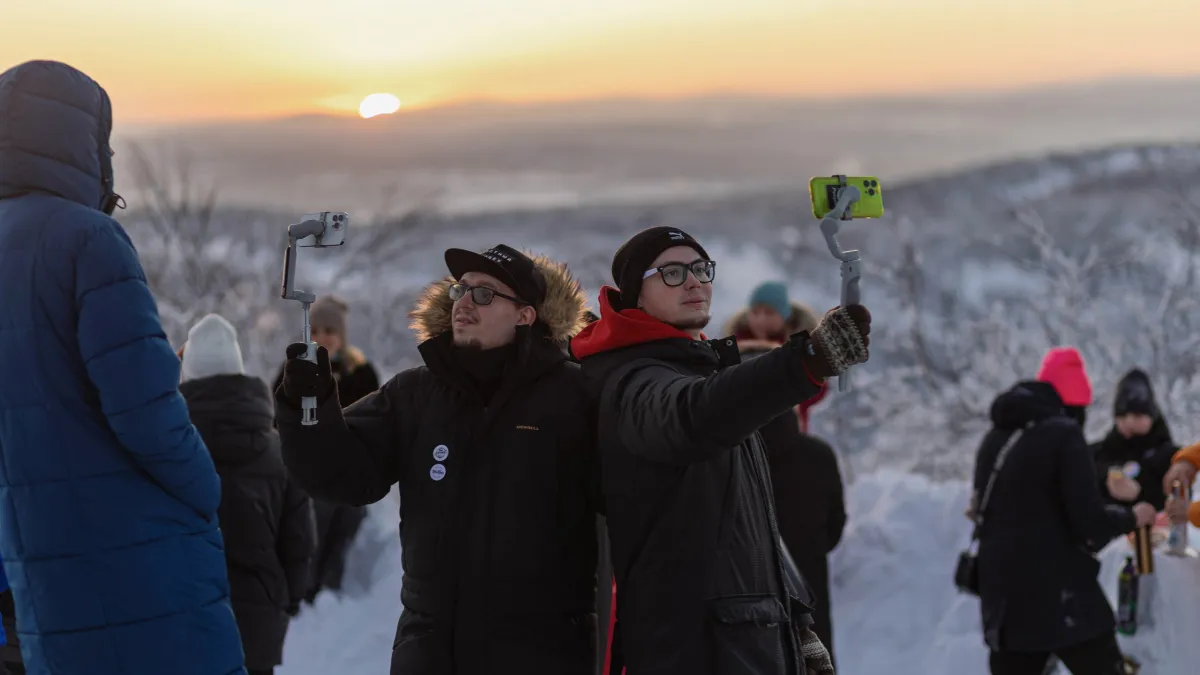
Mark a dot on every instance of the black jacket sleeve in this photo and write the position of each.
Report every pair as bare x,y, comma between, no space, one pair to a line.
297,542
669,417
1100,463
351,456
1154,470
1090,519
837,504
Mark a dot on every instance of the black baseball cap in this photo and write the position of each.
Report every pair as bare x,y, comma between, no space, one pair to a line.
507,264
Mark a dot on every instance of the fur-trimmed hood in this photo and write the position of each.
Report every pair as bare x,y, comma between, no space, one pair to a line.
802,318
563,312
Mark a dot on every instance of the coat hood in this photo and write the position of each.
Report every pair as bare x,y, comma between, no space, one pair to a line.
234,414
55,124
624,328
1027,402
562,313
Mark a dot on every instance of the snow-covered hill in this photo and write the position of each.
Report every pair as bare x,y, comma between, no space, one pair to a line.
971,277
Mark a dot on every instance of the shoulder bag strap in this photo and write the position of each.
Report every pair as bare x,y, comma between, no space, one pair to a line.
987,490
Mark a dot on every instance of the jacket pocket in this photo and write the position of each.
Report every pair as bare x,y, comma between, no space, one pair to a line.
748,634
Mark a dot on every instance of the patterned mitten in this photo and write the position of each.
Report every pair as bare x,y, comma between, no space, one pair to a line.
816,657
839,341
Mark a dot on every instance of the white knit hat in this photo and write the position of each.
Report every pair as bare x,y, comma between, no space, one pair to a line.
212,349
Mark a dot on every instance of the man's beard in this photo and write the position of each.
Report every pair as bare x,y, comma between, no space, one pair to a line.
694,324
469,343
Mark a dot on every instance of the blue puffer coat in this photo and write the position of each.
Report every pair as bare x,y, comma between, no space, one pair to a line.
108,497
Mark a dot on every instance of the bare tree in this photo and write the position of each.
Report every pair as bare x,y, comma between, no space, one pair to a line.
1123,301
201,258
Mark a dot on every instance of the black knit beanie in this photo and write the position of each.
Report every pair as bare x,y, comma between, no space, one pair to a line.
636,255
1135,395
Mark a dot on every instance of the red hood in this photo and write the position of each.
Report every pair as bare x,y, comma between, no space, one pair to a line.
621,329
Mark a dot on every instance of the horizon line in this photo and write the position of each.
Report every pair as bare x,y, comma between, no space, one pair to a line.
962,95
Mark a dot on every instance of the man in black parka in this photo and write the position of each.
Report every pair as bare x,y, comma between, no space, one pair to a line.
704,585
266,519
492,443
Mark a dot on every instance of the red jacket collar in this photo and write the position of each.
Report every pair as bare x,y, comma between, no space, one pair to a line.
617,329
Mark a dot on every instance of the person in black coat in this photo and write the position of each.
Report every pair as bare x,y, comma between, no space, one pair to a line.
266,519
1139,438
811,508
355,377
1042,523
809,494
704,584
492,443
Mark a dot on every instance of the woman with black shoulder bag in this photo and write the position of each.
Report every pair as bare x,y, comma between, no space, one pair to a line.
1039,522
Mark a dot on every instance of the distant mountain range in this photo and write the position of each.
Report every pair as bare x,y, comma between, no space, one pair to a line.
496,156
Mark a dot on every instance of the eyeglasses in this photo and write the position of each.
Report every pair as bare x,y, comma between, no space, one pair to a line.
674,274
480,295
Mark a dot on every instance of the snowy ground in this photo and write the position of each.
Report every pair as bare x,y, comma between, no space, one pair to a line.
895,607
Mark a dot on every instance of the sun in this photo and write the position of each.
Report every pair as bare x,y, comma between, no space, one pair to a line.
378,104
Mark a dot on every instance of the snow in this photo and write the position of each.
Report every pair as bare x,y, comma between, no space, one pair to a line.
895,608
353,633
1166,639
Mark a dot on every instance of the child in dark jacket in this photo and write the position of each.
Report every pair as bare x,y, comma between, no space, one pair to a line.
267,520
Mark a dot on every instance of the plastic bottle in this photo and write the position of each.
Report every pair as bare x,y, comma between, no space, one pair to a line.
1127,598
1177,535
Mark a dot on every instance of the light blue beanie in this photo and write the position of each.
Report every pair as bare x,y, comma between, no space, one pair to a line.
774,295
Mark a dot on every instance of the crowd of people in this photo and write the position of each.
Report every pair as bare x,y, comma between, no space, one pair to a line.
1054,501
579,492
166,512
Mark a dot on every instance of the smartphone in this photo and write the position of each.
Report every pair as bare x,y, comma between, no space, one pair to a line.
333,232
285,290
825,191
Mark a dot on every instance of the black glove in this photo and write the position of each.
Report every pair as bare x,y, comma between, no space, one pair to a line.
842,339
304,378
293,610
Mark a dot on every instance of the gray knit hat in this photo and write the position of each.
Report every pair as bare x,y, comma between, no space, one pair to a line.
329,311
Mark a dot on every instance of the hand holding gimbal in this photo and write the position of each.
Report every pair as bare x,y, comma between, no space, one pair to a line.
315,230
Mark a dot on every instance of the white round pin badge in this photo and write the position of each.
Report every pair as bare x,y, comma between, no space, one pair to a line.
440,453
437,472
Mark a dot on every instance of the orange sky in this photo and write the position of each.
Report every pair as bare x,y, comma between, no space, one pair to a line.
179,60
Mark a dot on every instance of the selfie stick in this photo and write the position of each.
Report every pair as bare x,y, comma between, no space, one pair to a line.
308,228
851,261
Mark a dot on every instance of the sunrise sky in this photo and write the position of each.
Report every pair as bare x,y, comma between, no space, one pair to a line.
168,61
